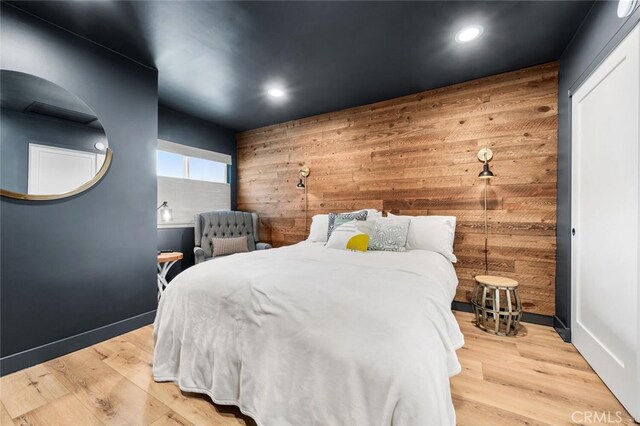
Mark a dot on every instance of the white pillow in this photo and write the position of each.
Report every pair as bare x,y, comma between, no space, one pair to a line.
319,228
353,236
435,233
320,225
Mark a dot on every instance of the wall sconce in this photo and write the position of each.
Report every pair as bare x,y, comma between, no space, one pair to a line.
302,185
304,173
485,155
165,212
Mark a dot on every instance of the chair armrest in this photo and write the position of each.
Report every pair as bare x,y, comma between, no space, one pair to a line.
199,254
263,246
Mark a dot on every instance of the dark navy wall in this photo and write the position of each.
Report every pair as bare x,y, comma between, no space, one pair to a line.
187,130
82,269
18,129
599,34
177,239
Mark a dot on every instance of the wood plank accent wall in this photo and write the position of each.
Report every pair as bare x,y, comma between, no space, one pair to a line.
416,155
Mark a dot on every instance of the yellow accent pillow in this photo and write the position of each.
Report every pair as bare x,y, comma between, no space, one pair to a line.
352,235
358,243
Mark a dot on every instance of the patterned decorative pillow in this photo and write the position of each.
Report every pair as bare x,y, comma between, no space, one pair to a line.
390,234
353,235
337,219
225,246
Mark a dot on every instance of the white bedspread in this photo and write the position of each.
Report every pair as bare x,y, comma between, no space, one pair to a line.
305,335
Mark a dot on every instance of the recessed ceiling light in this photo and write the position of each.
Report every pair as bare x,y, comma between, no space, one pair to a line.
100,146
275,92
625,7
468,33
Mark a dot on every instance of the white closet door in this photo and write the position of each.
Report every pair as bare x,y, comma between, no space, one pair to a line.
55,170
605,217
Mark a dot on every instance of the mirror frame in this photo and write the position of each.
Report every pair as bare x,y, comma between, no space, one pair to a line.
33,197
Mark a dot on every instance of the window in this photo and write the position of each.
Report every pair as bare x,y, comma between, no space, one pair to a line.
170,164
191,181
207,170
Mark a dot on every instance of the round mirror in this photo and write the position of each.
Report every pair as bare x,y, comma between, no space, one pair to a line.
52,145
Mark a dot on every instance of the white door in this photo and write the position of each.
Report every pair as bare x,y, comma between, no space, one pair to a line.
605,217
55,170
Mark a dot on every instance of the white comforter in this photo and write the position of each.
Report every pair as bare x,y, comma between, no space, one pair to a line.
306,335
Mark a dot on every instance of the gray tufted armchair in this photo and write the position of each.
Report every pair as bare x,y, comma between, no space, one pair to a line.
223,224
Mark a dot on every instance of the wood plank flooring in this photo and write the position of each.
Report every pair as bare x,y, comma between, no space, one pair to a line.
533,379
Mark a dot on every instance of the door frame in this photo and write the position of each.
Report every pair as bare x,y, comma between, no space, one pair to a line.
573,219
563,233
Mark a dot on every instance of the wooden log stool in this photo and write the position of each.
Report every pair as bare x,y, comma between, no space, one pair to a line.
496,305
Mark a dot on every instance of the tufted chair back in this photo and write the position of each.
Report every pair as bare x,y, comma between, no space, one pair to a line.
225,224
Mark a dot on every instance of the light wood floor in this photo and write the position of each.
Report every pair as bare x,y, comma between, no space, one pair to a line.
533,379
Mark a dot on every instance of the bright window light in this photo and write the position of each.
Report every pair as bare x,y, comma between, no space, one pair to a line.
170,164
180,166
207,170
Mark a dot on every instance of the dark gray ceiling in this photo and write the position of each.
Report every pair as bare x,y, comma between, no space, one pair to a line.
215,58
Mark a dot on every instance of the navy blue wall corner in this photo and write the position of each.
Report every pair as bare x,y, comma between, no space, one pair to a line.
184,129
177,239
83,263
562,329
600,33
52,350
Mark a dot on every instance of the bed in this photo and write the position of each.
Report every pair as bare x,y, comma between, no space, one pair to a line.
306,335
